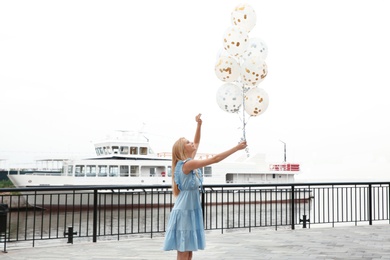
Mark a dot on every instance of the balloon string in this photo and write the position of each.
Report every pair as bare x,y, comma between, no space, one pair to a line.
243,113
243,119
243,138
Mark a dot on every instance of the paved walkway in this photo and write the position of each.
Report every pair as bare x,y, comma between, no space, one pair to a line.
361,242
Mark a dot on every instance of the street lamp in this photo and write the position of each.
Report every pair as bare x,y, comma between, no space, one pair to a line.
285,159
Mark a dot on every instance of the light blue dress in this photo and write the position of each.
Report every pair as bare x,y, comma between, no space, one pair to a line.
185,231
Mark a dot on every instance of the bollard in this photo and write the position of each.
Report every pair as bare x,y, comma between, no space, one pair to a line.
70,234
304,220
3,224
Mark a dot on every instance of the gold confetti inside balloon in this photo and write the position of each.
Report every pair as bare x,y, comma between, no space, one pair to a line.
227,68
256,101
253,71
244,16
229,97
235,41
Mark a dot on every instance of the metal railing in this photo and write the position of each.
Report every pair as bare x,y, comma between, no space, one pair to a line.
112,212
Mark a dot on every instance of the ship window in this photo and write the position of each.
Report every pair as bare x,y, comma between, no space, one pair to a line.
229,178
124,150
152,172
100,151
115,149
91,171
70,170
79,171
207,172
102,171
124,171
107,150
133,150
113,171
134,171
143,150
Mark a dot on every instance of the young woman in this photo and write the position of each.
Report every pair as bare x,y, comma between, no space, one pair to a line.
185,232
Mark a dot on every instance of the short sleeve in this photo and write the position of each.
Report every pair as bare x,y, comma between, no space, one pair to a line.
178,169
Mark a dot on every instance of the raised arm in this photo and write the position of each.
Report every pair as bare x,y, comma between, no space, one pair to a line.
197,134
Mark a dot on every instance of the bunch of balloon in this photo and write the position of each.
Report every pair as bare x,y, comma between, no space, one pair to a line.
241,66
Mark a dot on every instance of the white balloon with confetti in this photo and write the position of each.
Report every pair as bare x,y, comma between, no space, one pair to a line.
253,71
256,47
235,41
256,101
227,68
230,97
244,16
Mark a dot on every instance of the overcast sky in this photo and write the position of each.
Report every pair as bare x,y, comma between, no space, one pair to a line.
72,72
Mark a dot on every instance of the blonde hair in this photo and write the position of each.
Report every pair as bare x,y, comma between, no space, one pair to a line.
177,155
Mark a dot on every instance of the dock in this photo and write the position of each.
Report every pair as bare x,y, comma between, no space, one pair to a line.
340,242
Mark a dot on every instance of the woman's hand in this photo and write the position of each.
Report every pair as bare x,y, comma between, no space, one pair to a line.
241,145
198,119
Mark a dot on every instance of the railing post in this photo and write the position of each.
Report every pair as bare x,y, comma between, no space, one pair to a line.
95,202
370,204
203,207
3,224
151,213
292,207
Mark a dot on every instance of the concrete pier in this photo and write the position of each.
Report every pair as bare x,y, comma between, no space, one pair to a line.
345,242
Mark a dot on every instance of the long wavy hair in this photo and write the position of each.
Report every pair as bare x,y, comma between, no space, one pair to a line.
177,155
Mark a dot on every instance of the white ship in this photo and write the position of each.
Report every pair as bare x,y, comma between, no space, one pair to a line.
129,160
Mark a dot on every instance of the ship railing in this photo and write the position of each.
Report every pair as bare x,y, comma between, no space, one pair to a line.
95,213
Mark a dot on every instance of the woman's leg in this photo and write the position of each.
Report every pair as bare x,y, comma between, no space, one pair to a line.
184,255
